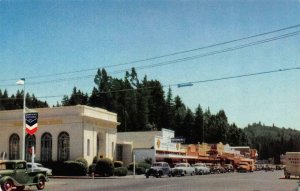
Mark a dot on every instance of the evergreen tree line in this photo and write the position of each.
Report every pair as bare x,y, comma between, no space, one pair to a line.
142,105
271,141
16,101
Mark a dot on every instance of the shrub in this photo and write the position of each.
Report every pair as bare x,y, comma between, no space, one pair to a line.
144,165
82,160
58,167
130,166
95,159
118,164
140,170
148,160
74,168
92,168
104,167
121,171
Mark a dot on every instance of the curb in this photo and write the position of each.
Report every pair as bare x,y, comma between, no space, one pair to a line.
97,177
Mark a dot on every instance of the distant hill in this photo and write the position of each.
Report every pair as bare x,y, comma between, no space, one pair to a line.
272,141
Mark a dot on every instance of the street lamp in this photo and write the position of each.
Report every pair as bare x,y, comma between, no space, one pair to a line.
22,82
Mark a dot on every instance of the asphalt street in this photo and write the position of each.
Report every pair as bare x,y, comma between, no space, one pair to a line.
257,181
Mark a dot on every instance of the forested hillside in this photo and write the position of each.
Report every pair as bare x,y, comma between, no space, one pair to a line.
271,141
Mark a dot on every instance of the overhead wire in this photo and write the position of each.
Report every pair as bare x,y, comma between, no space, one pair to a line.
161,56
176,84
178,60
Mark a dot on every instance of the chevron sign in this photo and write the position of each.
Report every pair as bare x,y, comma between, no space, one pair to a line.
31,122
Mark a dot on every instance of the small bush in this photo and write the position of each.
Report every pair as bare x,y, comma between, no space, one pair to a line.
148,160
140,170
92,168
82,160
104,167
130,166
118,164
58,167
95,159
144,165
74,168
121,171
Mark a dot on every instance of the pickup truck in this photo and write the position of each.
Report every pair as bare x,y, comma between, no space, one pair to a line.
14,175
246,165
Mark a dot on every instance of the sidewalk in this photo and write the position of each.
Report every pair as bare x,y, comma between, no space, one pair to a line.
98,177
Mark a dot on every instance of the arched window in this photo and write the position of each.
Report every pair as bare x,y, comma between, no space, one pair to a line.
14,147
63,146
46,147
29,142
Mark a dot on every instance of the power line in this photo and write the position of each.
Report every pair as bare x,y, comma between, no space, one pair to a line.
240,76
179,60
161,56
178,84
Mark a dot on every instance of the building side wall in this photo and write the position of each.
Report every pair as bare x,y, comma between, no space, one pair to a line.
142,154
139,139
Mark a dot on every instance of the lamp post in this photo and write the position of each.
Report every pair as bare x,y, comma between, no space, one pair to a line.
22,82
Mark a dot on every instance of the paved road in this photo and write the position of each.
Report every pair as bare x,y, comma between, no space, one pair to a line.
257,181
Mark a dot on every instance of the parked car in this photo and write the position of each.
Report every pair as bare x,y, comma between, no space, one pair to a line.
201,168
228,167
158,170
217,169
182,169
38,166
15,175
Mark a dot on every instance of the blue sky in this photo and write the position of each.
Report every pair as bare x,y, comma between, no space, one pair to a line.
40,38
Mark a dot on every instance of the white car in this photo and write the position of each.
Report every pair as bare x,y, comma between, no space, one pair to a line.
201,168
39,166
182,169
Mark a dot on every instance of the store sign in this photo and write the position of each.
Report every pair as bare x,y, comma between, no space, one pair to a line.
177,140
165,144
31,122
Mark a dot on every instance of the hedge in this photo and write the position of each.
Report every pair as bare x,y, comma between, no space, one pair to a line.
67,168
118,164
120,171
104,167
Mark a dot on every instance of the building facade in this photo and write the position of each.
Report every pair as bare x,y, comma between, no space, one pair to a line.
64,133
163,146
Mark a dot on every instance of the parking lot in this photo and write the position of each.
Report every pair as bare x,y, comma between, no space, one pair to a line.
256,181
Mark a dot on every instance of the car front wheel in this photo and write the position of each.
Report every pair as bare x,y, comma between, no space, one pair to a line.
41,184
7,185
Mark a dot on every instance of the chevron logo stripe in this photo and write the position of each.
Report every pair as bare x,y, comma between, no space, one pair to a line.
31,127
31,132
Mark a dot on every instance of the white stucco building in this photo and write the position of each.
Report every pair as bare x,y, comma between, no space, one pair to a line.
64,133
156,145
